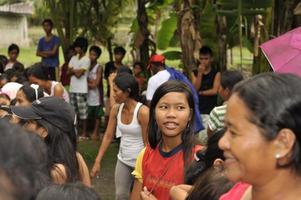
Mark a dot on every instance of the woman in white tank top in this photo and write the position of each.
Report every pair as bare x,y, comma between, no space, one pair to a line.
130,120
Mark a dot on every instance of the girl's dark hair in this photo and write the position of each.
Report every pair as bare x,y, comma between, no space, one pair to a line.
30,93
96,49
61,150
127,83
154,133
119,50
139,64
82,43
69,191
275,103
13,47
211,185
38,70
23,160
205,158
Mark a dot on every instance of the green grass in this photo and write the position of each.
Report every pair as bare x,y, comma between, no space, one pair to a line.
105,184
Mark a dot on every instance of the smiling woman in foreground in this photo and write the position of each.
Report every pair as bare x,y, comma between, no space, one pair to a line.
262,141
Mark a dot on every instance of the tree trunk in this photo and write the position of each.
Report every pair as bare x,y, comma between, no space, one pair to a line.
222,42
189,35
143,23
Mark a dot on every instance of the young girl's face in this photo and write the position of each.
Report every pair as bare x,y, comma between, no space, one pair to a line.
22,99
172,114
93,56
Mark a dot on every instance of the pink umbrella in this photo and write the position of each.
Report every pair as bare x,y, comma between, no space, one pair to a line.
284,52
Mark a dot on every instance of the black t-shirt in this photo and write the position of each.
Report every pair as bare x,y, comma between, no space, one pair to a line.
207,103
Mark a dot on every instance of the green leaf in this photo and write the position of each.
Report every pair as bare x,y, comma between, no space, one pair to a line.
134,26
166,32
173,55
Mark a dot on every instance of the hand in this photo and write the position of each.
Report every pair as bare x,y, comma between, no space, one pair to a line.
95,169
201,69
111,78
146,195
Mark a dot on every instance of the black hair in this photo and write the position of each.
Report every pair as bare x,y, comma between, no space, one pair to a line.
154,133
38,70
10,73
275,103
127,83
61,150
82,43
124,69
119,50
211,185
69,191
13,47
49,21
19,67
205,50
229,78
96,49
23,161
205,158
30,93
139,64
3,62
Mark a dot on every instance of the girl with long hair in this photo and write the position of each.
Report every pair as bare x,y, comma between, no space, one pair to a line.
171,142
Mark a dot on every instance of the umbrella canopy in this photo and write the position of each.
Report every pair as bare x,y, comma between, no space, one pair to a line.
284,52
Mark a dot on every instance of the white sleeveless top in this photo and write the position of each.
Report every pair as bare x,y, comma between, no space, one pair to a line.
65,93
131,138
93,94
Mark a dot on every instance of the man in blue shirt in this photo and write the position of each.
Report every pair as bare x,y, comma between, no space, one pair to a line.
48,49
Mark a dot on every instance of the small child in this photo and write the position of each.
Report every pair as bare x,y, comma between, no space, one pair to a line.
95,94
13,53
78,70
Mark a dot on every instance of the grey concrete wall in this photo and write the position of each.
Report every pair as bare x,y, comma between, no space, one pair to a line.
13,29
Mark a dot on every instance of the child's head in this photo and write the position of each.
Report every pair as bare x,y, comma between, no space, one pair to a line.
205,159
119,53
3,62
4,99
38,74
81,45
95,53
228,80
27,94
13,52
138,68
69,191
47,25
171,114
211,185
125,86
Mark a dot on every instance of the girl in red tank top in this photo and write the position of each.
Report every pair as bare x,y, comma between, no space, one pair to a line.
171,142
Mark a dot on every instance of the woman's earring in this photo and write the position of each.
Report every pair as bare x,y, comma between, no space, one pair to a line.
277,156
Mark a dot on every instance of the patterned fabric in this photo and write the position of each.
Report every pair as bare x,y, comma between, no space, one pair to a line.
79,103
217,118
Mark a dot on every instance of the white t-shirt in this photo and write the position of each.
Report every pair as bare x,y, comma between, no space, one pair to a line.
155,81
93,94
79,85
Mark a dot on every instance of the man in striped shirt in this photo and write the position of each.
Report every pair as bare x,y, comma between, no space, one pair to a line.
217,115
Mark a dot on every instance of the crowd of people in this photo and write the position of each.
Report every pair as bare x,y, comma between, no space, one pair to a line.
214,136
